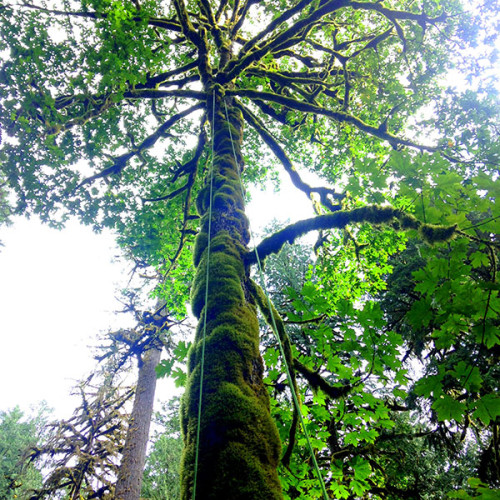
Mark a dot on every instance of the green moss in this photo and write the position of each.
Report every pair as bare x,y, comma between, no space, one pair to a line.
200,246
203,200
239,446
408,221
233,415
436,234
224,201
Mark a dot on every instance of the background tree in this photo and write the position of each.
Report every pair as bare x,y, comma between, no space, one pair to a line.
82,452
168,104
18,433
162,472
146,342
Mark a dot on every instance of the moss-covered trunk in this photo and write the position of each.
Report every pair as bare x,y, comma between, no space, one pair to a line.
239,446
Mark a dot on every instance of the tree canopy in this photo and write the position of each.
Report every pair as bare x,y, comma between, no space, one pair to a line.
153,118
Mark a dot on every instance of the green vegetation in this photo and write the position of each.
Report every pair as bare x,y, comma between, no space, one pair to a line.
19,433
162,471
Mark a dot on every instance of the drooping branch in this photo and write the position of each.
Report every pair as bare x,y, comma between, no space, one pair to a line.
188,187
338,116
188,168
372,214
276,323
323,192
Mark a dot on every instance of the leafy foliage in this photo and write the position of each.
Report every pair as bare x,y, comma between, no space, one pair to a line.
18,433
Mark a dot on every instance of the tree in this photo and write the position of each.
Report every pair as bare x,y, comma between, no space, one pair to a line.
128,485
171,104
162,471
90,449
80,453
18,433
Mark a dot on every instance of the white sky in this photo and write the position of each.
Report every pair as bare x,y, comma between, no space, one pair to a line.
58,292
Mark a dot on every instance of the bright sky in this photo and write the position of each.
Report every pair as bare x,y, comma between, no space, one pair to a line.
58,292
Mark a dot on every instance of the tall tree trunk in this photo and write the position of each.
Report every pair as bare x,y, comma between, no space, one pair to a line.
239,446
128,485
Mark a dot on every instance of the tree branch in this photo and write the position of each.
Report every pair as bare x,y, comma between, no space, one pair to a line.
316,381
273,319
338,116
373,214
162,79
120,162
153,21
158,94
287,164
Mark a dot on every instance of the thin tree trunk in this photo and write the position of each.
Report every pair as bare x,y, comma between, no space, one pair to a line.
128,486
239,446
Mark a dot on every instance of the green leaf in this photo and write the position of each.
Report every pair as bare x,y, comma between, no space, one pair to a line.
164,368
479,259
358,487
448,408
420,313
362,469
487,408
339,490
179,377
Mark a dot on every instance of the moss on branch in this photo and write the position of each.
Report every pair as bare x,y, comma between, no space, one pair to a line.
273,318
372,214
337,116
317,382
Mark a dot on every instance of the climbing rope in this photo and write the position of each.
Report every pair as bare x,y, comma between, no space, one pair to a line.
202,362
275,329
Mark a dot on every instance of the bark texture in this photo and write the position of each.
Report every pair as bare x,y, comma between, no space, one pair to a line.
128,486
239,446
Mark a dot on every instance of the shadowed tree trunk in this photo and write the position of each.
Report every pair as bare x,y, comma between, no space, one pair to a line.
238,438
